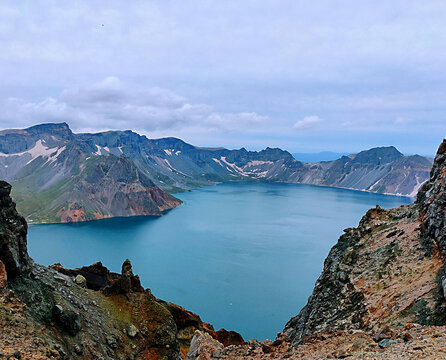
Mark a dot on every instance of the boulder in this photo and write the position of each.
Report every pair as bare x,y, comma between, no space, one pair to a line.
203,346
81,281
68,319
229,337
131,330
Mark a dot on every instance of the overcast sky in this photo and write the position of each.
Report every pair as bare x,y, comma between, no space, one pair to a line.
306,76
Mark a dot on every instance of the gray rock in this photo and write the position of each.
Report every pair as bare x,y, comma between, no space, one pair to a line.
132,331
386,343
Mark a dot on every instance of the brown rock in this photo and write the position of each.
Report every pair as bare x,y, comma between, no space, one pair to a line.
3,276
229,337
203,346
126,283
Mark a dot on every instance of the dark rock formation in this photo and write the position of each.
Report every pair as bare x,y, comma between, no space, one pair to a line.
69,319
432,202
13,230
97,275
228,337
125,283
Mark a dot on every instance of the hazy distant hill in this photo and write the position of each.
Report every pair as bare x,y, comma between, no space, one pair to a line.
120,173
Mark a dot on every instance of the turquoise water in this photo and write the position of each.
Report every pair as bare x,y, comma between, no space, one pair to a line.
244,256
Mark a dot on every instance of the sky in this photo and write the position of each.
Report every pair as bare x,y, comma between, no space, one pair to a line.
306,76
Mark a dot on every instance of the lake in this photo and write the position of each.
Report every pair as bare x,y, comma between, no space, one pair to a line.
244,256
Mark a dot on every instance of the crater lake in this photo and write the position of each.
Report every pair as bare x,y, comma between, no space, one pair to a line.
244,256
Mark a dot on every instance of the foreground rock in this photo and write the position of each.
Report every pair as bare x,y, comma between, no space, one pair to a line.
86,313
13,231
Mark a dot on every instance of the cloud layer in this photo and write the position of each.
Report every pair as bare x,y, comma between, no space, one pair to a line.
110,104
231,73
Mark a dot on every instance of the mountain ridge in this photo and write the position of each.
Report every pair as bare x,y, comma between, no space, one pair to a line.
53,154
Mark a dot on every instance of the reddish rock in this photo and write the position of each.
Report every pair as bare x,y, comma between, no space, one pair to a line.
3,277
229,337
184,318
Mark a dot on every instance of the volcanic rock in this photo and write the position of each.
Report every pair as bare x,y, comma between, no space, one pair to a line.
13,230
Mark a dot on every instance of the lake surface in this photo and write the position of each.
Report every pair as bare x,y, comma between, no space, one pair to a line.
244,256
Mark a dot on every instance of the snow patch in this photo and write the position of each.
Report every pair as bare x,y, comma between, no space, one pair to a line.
38,150
233,167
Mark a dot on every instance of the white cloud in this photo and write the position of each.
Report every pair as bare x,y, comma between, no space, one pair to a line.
308,122
111,104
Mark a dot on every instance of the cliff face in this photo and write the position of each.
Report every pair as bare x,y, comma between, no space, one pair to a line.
387,271
13,231
87,313
381,294
432,202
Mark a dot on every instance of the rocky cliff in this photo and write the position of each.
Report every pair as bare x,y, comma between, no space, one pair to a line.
58,178
62,176
387,271
381,294
87,313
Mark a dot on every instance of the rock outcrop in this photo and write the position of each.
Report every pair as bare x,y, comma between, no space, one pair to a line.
85,313
432,202
13,231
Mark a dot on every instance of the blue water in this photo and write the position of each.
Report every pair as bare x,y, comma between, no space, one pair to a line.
244,256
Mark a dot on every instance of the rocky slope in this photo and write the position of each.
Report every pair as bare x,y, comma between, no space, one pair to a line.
62,176
87,313
58,179
381,294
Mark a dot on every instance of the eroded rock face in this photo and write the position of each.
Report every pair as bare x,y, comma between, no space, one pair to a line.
13,230
126,283
97,276
335,302
432,202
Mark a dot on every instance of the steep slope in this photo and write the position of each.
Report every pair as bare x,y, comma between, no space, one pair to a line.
58,178
87,313
381,294
385,272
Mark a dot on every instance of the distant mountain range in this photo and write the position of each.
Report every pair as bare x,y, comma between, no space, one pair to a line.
58,175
